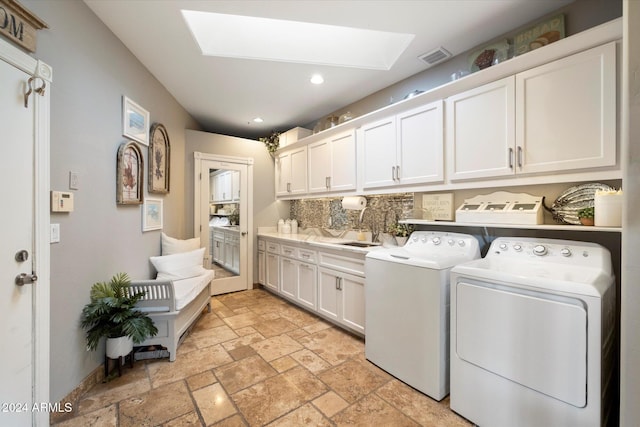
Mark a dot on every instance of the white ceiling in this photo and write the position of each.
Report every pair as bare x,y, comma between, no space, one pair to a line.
225,94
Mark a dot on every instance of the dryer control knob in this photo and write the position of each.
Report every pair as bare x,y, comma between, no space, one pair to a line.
503,246
415,238
461,243
424,239
517,248
436,240
540,250
565,252
451,242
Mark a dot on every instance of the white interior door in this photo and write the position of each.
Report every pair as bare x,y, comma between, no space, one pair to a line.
24,309
235,273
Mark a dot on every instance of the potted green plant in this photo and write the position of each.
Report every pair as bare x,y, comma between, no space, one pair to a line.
401,232
112,313
586,215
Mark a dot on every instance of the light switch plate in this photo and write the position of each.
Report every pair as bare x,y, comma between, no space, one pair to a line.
73,180
55,233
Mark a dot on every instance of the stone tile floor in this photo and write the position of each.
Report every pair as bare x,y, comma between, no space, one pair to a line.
257,360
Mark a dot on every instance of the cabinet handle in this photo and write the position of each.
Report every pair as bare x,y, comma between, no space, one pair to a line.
520,157
288,187
510,158
337,283
397,173
393,173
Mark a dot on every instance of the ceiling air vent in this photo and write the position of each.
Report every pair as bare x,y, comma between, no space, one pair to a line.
435,56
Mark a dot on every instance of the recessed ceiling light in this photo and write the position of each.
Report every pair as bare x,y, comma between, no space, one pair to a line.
249,37
258,120
317,79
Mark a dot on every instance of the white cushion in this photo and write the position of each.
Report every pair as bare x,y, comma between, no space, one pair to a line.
179,266
171,245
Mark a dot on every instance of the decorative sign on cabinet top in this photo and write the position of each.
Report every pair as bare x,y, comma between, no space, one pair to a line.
19,25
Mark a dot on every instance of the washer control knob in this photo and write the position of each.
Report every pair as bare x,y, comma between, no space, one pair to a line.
461,243
503,246
424,239
517,248
415,238
540,250
436,240
451,242
566,252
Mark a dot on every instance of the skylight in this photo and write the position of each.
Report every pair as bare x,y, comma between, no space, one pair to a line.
249,37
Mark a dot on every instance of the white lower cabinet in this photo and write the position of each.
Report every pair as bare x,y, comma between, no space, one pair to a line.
341,298
262,267
326,282
272,273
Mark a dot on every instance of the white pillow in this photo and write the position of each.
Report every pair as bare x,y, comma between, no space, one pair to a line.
179,266
171,245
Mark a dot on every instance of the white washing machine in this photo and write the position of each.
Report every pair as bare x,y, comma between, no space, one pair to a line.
407,307
532,334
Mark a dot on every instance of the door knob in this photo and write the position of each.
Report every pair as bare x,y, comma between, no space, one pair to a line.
244,233
24,278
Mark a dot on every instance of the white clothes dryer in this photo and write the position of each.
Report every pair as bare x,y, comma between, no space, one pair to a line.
407,307
532,334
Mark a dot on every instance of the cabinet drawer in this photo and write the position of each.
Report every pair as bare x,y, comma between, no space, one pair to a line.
289,251
273,247
261,245
307,255
353,265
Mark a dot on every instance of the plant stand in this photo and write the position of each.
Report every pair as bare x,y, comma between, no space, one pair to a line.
121,360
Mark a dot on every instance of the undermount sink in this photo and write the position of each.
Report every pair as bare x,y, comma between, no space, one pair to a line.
360,244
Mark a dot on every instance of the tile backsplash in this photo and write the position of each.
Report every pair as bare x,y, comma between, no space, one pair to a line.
381,211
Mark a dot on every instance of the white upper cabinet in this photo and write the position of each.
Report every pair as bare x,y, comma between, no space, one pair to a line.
557,117
332,164
404,149
566,113
420,142
235,185
379,152
291,172
221,185
480,133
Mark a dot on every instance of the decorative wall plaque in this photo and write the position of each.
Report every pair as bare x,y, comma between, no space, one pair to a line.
19,25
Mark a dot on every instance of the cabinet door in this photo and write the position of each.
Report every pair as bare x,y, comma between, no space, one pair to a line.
262,268
343,162
235,255
283,173
289,277
420,145
566,113
328,294
307,288
212,188
379,153
273,272
319,166
235,185
353,311
480,133
298,171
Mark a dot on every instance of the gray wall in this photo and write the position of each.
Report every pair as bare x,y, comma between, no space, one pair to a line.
91,72
266,210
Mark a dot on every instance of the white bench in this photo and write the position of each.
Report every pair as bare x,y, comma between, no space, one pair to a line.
173,305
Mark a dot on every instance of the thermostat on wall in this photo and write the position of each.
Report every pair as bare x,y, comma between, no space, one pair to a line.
61,201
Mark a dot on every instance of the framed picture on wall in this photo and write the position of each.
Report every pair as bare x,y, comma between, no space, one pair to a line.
135,121
129,176
152,215
159,159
